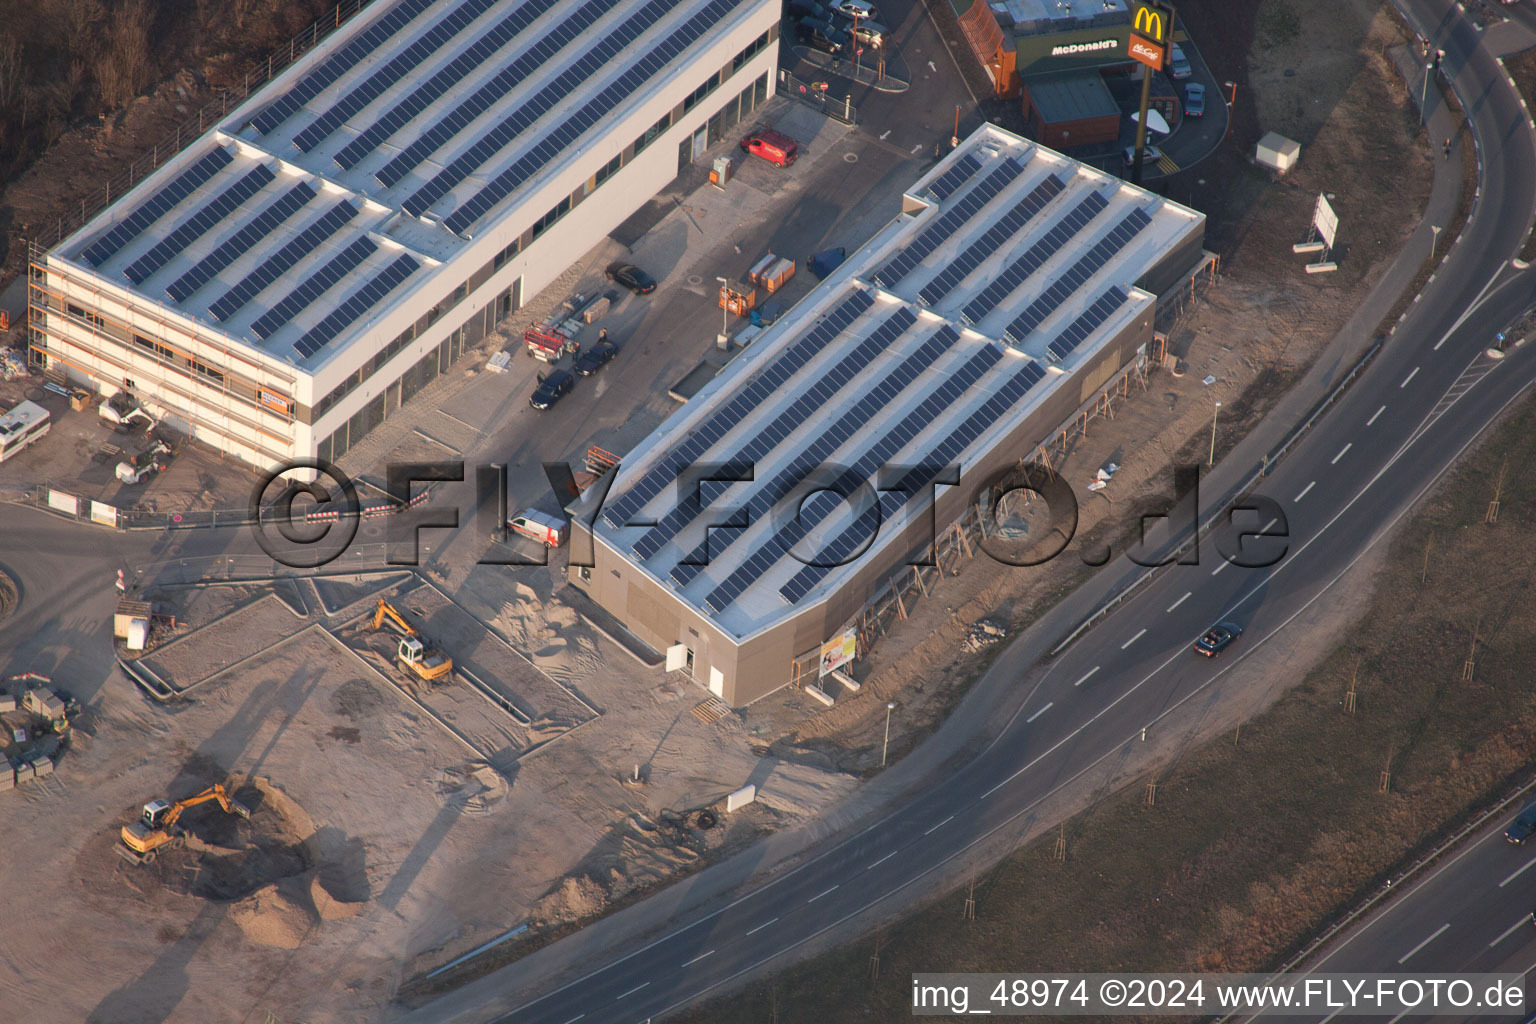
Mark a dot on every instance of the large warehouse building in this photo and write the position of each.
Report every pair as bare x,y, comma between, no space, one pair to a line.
286,282
1014,283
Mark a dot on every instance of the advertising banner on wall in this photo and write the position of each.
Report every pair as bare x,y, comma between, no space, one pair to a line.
838,651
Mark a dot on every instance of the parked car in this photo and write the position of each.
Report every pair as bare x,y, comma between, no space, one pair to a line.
551,389
595,358
870,33
1217,639
631,277
822,35
775,147
1178,64
805,9
1523,827
1194,100
1150,155
853,8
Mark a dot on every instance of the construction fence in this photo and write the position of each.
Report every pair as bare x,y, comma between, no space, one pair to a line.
87,510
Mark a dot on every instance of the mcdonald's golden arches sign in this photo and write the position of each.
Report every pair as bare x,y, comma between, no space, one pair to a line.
1151,32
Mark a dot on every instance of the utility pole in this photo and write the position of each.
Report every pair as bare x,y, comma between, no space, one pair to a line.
1141,125
1165,44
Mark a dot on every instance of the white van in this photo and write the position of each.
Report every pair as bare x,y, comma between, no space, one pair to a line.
546,529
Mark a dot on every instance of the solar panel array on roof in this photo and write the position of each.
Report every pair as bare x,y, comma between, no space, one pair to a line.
794,416
1017,272
363,46
1006,227
430,91
280,262
814,511
828,441
717,426
572,127
489,143
156,206
1076,276
956,176
915,485
966,207
241,242
407,61
200,223
315,284
1079,330
357,304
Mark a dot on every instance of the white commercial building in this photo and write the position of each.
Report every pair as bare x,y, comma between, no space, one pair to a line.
1010,287
286,282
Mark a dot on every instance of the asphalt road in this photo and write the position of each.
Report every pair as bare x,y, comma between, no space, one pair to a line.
1427,395
1471,916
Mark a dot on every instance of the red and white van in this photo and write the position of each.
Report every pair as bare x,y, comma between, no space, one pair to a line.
546,529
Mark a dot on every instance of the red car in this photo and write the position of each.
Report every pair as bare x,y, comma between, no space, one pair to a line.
778,149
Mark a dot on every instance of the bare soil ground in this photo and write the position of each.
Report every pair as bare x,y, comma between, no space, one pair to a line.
364,865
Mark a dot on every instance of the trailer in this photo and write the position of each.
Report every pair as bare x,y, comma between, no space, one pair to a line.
548,343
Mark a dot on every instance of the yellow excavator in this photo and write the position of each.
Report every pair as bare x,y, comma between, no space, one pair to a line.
157,828
427,664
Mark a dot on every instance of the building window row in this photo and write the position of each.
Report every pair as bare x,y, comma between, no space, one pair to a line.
170,358
754,48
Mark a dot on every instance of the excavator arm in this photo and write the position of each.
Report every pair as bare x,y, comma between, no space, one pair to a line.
214,792
142,838
386,610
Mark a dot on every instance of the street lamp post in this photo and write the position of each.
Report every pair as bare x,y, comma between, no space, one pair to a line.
1231,106
1434,238
1216,412
885,747
725,314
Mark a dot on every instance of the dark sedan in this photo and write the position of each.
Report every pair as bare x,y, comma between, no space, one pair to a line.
552,388
595,358
631,277
1217,639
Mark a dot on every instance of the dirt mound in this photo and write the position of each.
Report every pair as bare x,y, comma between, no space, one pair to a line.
10,597
272,917
574,899
220,856
328,905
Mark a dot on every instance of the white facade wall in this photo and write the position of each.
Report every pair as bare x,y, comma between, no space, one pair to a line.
571,238
263,436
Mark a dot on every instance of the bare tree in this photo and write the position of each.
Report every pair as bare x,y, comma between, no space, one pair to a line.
124,68
10,71
242,10
77,20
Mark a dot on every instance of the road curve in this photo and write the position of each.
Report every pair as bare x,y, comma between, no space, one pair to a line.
1426,396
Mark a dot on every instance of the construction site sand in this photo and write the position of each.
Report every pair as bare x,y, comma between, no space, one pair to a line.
241,633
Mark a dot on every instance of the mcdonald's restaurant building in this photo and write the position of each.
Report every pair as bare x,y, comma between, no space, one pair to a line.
1056,57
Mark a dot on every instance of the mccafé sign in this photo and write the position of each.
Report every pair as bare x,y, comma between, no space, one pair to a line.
1151,30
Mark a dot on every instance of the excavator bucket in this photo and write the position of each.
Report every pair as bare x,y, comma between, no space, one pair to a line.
236,807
